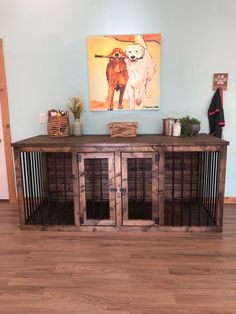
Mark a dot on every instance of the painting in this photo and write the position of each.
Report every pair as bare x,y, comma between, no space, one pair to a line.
124,72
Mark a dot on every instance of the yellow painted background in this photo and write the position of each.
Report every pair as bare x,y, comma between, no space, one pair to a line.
98,85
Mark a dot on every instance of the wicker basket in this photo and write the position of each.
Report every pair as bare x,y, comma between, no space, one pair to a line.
123,129
58,126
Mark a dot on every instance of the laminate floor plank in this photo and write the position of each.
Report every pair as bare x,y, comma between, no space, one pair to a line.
119,273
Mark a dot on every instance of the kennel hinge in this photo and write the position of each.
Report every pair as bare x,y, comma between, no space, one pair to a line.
81,219
78,157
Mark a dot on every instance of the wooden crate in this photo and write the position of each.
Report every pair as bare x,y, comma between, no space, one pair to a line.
123,129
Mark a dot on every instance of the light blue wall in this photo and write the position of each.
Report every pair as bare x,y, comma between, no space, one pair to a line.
46,59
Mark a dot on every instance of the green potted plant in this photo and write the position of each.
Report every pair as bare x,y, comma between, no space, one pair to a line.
76,106
189,126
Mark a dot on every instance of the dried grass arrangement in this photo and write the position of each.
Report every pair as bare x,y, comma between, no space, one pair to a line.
76,106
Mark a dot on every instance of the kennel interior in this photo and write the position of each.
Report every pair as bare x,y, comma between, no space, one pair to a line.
191,188
139,188
47,188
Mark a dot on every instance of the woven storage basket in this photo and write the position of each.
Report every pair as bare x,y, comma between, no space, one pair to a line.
123,129
58,126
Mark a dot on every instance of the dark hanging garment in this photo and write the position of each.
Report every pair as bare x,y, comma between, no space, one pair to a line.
216,114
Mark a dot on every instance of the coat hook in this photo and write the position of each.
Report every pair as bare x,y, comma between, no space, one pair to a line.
220,80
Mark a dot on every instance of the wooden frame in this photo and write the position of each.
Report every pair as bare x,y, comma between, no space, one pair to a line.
82,193
155,188
6,128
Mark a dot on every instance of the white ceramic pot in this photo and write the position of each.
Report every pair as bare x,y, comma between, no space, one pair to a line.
77,128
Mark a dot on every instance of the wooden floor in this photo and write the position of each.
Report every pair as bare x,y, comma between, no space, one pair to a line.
65,272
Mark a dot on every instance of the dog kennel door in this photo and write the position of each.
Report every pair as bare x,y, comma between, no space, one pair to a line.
97,196
140,189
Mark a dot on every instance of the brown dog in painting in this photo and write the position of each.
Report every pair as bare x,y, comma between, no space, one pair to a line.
117,76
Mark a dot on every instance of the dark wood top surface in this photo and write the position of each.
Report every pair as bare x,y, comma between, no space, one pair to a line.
106,140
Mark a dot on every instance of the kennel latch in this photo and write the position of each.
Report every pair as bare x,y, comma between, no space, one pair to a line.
113,189
123,190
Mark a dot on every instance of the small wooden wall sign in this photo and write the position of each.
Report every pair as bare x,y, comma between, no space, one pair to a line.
220,80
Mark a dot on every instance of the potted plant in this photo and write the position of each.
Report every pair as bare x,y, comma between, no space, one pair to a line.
189,126
76,106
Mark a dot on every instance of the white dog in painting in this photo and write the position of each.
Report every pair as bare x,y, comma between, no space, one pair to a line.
141,68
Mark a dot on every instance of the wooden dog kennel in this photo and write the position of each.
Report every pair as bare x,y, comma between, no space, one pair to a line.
95,182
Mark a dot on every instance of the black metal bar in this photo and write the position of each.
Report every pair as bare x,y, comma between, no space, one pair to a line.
93,188
211,184
49,192
205,178
191,189
208,188
26,207
144,182
173,189
56,186
37,184
27,184
199,186
182,188
217,182
135,187
41,177
66,213
29,176
33,182
101,190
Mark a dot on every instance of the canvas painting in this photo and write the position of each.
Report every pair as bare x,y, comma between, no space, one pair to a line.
124,72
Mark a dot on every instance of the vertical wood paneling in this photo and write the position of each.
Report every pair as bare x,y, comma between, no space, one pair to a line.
6,128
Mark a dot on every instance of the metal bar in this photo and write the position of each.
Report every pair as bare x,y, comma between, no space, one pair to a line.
208,188
33,181
211,184
191,186
144,182
56,185
25,187
173,189
205,178
34,168
29,177
217,182
41,199
66,213
199,185
93,188
49,192
34,189
214,186
101,190
135,187
41,177
37,177
182,188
